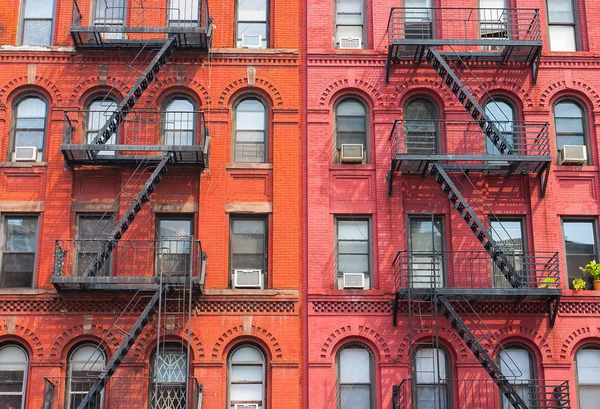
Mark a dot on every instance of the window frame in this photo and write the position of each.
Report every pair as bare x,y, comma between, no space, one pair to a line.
522,220
153,361
532,370
164,113
266,22
22,19
595,231
240,217
372,375
585,126
433,218
188,217
515,131
367,144
595,347
23,392
254,363
448,385
266,128
108,264
339,274
364,33
94,16
14,120
577,30
183,22
86,122
436,118
69,383
3,237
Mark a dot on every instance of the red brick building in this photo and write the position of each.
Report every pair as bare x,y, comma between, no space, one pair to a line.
150,210
452,177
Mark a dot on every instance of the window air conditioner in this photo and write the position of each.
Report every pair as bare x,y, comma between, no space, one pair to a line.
246,406
573,154
351,42
247,279
253,41
26,153
352,153
354,280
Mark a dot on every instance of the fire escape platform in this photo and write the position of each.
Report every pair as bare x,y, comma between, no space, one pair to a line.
123,284
488,294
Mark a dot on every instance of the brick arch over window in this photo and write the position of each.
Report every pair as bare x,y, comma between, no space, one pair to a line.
453,344
263,84
155,94
21,84
147,342
398,96
574,339
526,334
360,331
30,340
64,341
365,88
82,90
255,331
516,92
582,88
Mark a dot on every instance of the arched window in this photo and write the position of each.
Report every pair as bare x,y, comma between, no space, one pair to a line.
169,368
569,124
587,363
247,375
99,110
422,127
14,363
251,134
86,363
179,122
355,377
431,373
252,28
502,113
351,130
30,129
516,364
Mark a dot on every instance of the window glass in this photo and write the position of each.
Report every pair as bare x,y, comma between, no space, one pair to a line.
421,127
250,120
568,124
170,373
503,115
183,13
516,366
92,233
248,251
246,376
86,363
426,252
561,25
18,255
252,24
13,376
351,123
580,247
349,21
30,124
588,377
508,235
353,250
431,378
110,12
37,22
179,122
99,112
354,378
175,246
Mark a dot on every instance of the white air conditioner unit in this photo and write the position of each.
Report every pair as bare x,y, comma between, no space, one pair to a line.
351,42
573,154
252,41
247,279
354,280
246,406
26,153
352,153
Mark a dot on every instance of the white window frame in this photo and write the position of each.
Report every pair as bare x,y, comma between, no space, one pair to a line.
369,240
5,222
231,402
16,367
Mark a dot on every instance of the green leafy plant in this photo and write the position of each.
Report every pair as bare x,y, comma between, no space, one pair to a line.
593,269
548,281
578,284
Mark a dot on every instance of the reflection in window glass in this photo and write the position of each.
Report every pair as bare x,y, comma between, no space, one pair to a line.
247,377
508,235
354,378
250,123
179,122
13,376
588,377
174,247
503,115
98,113
426,267
421,127
92,233
37,22
18,252
580,247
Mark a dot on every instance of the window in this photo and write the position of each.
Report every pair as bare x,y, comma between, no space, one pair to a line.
30,129
587,362
248,249
110,13
418,20
561,25
92,233
169,370
86,363
516,365
492,22
36,22
568,124
184,13
351,125
355,378
250,131
502,113
98,113
431,375
580,247
252,23
14,363
422,127
179,125
426,244
19,251
247,374
349,24
175,243
508,235
353,253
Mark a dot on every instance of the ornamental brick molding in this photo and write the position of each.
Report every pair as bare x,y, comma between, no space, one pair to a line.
352,307
343,82
447,334
431,84
171,81
505,84
40,82
574,338
260,83
526,333
575,84
102,333
261,333
28,336
362,331
91,82
149,337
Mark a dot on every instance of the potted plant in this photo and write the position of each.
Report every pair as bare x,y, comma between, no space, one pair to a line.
593,269
548,282
578,284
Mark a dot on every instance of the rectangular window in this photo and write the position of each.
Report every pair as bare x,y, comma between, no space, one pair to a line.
430,376
418,24
174,246
110,13
508,235
561,25
493,22
349,24
353,253
184,13
37,21
580,247
248,252
18,251
93,232
426,244
252,24
588,377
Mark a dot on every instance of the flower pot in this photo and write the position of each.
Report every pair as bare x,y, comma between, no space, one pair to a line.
597,285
